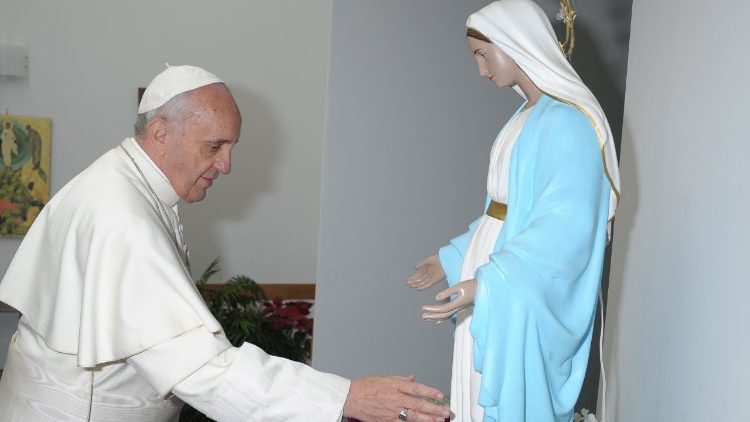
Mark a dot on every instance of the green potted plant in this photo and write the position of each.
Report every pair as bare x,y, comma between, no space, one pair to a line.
280,328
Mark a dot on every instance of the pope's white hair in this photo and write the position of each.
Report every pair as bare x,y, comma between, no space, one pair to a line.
174,111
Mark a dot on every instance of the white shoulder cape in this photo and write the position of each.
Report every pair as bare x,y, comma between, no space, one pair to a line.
98,274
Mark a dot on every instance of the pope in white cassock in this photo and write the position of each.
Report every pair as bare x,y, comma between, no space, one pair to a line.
113,328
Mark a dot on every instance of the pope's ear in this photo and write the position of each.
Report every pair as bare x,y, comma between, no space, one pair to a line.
157,130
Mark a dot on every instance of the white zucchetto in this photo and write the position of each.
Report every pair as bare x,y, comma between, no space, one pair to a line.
174,80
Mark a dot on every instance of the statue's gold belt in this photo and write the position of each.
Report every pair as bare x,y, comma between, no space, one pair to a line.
497,210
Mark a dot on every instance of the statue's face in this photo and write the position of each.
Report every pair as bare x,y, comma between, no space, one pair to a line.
493,63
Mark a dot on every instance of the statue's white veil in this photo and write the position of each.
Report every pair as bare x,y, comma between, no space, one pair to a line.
523,31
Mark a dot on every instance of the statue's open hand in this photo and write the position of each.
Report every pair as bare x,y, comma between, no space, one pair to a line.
464,291
428,273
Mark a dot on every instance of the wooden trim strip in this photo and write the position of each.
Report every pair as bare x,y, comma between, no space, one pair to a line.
284,291
6,308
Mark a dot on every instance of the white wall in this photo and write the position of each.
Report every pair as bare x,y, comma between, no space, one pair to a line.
89,57
409,126
677,341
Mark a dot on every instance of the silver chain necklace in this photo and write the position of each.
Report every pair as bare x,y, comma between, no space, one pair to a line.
159,205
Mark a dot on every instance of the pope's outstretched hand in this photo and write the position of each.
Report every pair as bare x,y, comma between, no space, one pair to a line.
381,399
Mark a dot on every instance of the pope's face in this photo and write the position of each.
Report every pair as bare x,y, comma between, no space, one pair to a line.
493,63
195,156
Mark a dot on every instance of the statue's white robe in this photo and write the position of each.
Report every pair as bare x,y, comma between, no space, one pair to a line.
465,380
113,327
